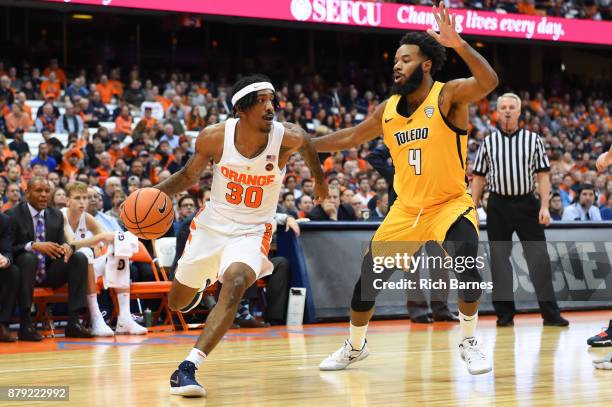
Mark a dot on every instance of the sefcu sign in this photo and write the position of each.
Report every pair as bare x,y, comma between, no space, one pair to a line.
338,11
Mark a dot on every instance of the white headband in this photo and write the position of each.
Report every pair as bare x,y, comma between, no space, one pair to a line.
254,87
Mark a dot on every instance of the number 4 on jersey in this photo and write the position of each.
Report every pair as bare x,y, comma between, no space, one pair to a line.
414,159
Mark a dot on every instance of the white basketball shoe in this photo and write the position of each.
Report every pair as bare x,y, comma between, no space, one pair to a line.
475,359
344,356
99,328
604,363
127,326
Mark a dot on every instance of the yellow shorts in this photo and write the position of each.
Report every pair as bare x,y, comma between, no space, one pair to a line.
431,224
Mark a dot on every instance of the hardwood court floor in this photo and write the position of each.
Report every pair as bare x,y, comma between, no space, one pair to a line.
409,365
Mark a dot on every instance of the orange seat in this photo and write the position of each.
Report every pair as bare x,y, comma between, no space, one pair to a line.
42,297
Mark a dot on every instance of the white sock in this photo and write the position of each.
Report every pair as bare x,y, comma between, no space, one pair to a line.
124,305
467,325
94,309
197,357
358,336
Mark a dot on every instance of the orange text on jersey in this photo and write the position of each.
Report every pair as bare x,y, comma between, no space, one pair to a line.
247,179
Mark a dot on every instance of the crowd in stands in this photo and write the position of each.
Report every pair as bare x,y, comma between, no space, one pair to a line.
136,132
584,9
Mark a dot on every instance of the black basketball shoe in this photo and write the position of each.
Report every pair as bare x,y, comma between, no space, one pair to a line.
602,339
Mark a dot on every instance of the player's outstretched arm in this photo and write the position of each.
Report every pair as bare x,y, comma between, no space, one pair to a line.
296,139
189,175
344,139
483,79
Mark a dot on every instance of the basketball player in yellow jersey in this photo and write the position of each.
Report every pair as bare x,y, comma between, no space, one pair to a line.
424,125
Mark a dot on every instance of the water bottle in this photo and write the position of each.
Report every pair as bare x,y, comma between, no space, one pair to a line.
148,317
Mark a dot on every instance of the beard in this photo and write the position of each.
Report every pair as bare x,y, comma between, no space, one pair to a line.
411,84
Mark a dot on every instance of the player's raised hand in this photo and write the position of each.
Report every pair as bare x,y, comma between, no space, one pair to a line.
448,35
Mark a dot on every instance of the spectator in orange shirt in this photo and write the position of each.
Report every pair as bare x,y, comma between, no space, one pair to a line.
194,120
353,155
164,102
148,118
105,168
115,150
115,82
21,99
527,7
56,70
51,87
123,123
70,165
105,88
17,119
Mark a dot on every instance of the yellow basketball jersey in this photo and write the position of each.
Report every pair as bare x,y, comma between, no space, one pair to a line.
429,153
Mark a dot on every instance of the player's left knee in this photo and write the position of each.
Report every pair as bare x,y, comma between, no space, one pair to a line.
237,280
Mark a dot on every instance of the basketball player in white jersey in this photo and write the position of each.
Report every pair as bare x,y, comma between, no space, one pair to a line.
230,237
84,232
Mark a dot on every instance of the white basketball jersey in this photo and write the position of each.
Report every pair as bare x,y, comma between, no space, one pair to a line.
246,190
81,231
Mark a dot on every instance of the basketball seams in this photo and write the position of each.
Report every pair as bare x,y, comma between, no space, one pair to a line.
136,211
125,212
143,231
160,220
150,207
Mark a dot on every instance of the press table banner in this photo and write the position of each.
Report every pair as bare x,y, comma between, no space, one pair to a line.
580,257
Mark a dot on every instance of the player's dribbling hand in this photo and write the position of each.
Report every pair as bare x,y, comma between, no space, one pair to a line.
320,192
544,216
446,22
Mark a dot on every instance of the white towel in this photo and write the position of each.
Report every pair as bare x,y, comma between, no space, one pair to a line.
126,244
116,271
117,268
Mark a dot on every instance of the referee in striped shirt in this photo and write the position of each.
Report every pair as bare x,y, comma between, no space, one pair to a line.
509,158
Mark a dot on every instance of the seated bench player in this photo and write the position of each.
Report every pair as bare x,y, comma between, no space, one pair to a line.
85,233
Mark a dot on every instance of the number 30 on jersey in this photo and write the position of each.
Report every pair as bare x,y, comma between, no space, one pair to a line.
251,197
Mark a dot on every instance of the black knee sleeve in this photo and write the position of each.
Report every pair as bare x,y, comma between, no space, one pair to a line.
364,293
462,242
357,302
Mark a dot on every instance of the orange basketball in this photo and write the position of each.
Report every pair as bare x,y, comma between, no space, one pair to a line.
148,213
